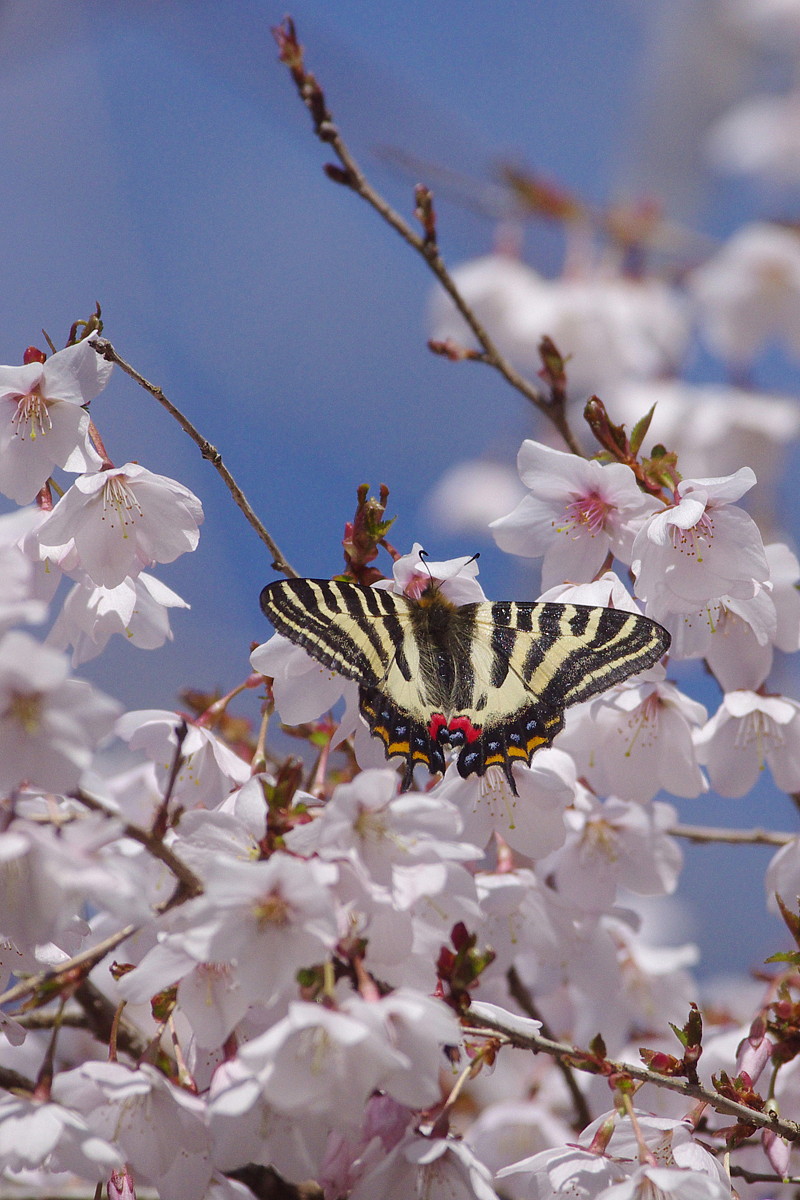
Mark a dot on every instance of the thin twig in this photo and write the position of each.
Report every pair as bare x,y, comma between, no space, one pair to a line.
350,175
279,560
750,837
78,964
789,1130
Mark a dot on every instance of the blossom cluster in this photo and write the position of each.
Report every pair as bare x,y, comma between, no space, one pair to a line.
300,974
220,964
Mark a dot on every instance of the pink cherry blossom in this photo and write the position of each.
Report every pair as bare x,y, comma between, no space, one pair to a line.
747,733
113,523
42,419
702,547
575,514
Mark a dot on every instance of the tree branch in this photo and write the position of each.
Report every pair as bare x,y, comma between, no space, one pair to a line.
350,175
789,1130
279,560
749,837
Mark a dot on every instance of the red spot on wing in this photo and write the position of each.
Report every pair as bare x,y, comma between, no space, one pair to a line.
436,723
464,726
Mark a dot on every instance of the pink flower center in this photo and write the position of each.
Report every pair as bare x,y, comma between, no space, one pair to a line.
695,541
587,513
32,416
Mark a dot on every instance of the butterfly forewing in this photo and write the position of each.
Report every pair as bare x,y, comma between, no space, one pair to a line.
490,679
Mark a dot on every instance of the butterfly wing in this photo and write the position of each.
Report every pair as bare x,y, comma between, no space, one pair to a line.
363,633
531,661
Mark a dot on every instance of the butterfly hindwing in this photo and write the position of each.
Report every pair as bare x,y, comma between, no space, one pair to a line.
490,679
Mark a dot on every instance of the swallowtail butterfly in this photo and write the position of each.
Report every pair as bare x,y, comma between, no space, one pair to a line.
491,679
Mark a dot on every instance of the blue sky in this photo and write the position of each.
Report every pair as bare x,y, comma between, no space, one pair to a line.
156,159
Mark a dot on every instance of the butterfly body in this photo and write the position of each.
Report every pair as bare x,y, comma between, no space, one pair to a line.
490,680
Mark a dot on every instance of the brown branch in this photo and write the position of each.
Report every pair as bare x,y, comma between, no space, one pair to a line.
279,560
78,965
789,1130
744,837
350,175
188,883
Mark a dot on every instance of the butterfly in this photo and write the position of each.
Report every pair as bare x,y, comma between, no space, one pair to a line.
490,679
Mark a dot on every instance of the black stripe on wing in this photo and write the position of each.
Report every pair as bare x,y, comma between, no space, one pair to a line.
336,623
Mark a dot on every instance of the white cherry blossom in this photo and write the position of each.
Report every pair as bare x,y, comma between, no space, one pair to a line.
41,1133
434,1168
267,918
471,494
747,733
367,822
209,769
42,419
636,740
575,514
713,428
113,523
609,327
321,1062
612,844
748,293
159,1127
137,609
702,547
532,822
49,724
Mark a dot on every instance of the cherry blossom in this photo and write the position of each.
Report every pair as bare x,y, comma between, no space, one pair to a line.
40,1133
42,419
472,494
615,844
749,292
436,1168
575,514
701,548
747,733
608,326
533,820
49,724
208,770
321,1062
268,918
713,428
636,740
377,829
137,609
158,1126
113,523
